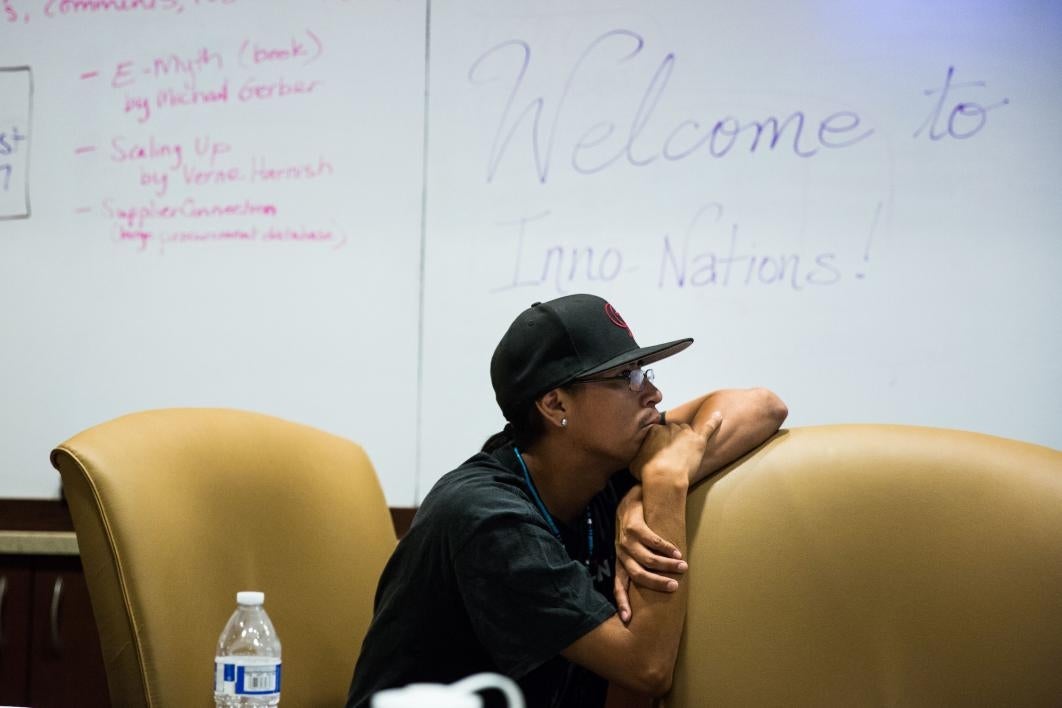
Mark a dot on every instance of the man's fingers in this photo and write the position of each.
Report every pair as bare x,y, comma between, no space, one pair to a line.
623,603
638,532
709,425
644,536
659,583
652,561
645,579
652,551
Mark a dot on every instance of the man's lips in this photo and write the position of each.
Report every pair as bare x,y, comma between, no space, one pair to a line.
651,418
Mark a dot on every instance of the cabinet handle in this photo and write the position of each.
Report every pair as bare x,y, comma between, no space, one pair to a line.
57,596
3,596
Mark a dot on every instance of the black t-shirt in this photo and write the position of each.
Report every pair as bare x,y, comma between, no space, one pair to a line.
480,583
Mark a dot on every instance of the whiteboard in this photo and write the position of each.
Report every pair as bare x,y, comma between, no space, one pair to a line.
224,210
856,205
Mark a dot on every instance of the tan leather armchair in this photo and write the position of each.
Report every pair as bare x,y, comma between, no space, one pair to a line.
871,565
177,510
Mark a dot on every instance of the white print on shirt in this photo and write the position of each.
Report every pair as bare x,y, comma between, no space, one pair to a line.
602,572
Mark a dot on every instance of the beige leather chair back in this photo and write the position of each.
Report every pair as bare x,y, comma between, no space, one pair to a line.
177,510
874,565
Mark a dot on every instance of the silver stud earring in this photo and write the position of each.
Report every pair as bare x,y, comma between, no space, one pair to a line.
564,422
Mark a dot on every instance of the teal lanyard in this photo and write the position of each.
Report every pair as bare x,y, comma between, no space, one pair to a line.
549,517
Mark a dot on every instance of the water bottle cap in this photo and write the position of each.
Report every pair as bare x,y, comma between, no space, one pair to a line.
250,597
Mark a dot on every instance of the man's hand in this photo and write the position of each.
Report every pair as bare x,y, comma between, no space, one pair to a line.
671,451
752,416
674,450
641,554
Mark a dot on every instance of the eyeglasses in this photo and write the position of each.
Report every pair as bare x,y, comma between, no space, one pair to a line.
635,378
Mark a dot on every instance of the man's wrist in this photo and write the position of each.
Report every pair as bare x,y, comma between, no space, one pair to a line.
659,476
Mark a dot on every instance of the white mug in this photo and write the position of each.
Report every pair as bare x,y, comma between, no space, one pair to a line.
457,695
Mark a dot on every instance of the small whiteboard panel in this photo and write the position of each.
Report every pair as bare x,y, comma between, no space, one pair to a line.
225,212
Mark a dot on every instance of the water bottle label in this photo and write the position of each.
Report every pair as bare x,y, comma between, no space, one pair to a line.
246,675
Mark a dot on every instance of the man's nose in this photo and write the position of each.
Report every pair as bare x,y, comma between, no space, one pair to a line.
651,395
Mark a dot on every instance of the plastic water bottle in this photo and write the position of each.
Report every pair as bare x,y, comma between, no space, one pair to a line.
247,663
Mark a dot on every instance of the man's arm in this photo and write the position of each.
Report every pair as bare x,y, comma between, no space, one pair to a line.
750,416
645,557
641,654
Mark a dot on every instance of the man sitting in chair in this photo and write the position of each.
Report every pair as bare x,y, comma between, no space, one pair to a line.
510,564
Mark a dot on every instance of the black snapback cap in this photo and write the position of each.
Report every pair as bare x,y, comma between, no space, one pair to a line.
553,343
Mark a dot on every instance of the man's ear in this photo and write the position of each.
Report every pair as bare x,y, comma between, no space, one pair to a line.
553,407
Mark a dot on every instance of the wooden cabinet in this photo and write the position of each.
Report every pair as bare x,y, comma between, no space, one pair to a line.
49,647
15,587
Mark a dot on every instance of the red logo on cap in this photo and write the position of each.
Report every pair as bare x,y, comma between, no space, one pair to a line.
615,318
